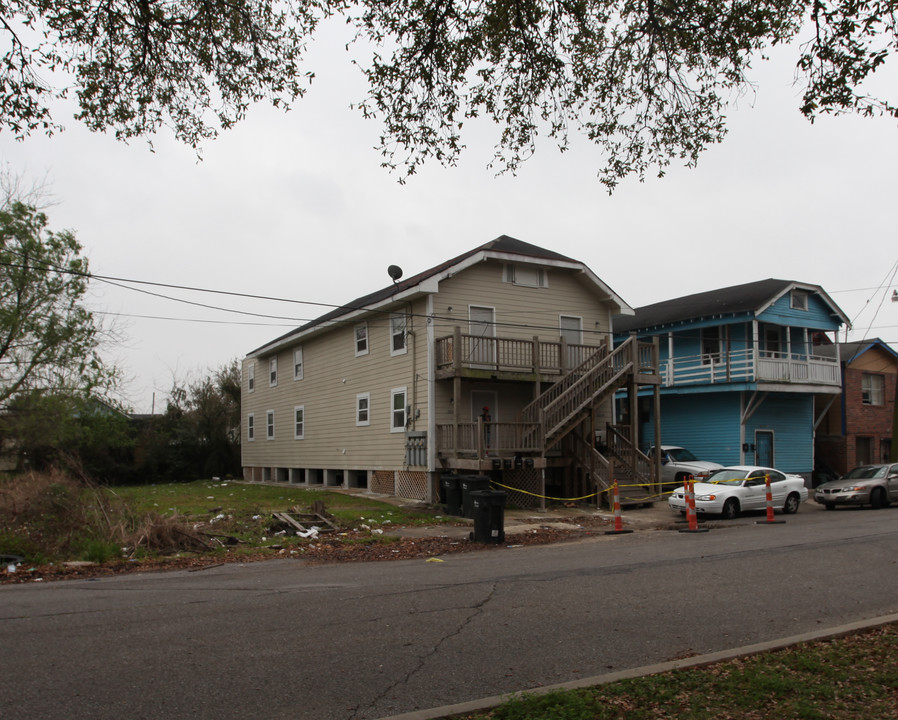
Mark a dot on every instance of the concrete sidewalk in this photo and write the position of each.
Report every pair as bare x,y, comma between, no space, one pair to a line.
518,521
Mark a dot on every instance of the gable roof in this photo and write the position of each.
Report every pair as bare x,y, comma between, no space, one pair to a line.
849,351
503,248
753,297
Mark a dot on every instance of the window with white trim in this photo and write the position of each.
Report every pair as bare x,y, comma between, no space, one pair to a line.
251,376
872,389
398,326
398,409
799,300
269,424
361,339
297,363
299,422
526,276
363,409
250,427
273,371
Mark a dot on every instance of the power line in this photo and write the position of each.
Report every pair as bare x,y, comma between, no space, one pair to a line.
190,320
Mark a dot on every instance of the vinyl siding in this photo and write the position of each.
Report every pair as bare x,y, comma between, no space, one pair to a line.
521,312
817,315
710,428
790,417
333,377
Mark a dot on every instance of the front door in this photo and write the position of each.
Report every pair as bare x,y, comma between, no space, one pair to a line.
482,328
764,448
571,330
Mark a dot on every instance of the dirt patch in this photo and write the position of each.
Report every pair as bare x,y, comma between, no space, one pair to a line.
348,547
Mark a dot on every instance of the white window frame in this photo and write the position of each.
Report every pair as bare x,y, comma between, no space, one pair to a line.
526,276
273,371
359,350
251,377
269,424
395,393
251,427
297,363
299,426
395,318
873,393
360,400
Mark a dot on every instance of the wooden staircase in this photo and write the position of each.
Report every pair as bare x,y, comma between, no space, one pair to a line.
566,404
564,412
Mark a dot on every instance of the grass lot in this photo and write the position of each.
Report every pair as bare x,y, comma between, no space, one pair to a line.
206,499
51,518
848,678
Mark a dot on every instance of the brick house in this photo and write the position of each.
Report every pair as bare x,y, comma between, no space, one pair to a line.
857,428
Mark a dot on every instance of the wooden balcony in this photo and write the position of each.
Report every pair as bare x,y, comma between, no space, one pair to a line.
741,366
478,445
474,356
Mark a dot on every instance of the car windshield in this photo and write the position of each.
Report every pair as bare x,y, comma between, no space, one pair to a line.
866,472
681,455
727,477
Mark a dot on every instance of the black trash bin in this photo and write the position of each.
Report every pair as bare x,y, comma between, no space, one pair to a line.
470,484
451,484
489,516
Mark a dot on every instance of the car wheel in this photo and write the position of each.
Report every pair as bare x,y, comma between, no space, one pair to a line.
792,503
730,509
877,498
829,506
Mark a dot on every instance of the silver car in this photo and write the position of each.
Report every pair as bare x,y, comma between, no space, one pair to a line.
873,485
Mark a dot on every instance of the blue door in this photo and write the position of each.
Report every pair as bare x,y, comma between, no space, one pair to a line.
764,448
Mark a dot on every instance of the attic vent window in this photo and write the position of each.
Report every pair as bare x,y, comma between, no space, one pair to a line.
799,300
526,276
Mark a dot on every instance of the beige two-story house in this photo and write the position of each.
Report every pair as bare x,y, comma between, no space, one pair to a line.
498,361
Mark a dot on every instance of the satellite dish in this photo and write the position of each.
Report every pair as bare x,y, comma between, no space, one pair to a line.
395,272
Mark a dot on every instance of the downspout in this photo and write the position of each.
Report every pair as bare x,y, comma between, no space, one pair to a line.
409,330
431,375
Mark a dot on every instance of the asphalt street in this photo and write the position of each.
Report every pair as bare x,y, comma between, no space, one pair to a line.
281,639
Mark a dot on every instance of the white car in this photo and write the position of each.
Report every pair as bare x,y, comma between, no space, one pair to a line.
732,490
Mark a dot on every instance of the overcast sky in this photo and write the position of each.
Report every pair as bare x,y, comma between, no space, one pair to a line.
296,206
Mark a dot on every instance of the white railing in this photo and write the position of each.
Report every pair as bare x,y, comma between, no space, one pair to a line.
743,366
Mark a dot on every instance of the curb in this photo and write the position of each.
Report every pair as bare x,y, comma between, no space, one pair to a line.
473,706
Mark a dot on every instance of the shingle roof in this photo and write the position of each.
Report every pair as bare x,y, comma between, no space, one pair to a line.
734,300
502,244
850,350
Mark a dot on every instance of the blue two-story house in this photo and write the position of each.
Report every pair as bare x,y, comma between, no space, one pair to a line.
741,382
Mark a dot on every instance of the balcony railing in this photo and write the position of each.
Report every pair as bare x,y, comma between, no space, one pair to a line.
746,366
458,352
482,439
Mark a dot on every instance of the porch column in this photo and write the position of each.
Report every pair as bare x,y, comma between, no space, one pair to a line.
537,370
755,349
669,380
656,411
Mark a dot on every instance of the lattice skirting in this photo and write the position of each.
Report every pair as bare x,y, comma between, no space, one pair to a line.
412,485
527,479
383,482
405,483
